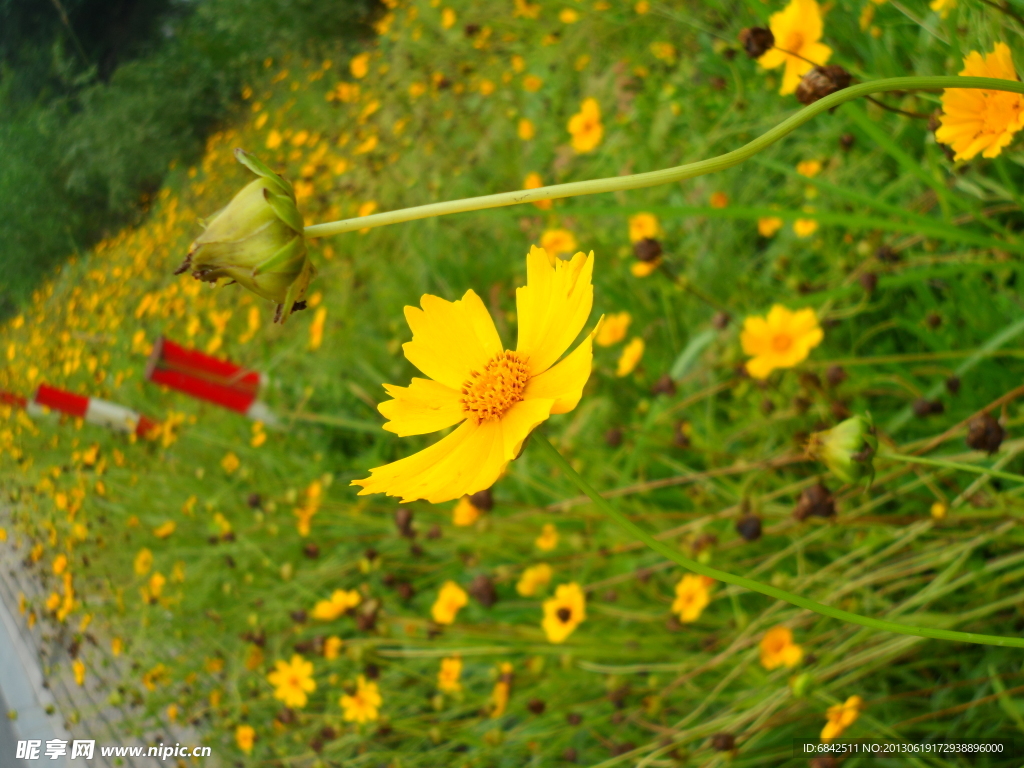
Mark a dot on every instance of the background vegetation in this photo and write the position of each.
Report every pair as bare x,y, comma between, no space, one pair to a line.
913,268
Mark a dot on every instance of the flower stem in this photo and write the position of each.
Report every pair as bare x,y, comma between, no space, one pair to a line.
779,594
668,175
952,465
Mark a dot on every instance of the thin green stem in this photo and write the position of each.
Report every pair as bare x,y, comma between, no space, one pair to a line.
953,465
755,586
668,175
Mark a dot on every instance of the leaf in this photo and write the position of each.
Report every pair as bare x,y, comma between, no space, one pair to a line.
690,354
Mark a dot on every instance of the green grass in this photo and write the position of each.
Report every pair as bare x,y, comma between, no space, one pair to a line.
949,305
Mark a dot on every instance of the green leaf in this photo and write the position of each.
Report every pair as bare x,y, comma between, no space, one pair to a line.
690,354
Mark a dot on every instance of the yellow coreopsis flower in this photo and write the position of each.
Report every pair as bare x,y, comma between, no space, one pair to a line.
165,530
767,226
292,681
840,717
586,128
78,667
548,538
450,600
643,225
60,564
558,241
942,7
363,705
341,600
245,737
534,578
976,121
778,648
564,612
780,340
465,513
495,395
533,180
526,129
359,65
613,329
630,357
449,674
692,596
143,562
809,168
797,29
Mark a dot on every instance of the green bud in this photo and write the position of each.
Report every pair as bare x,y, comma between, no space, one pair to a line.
257,241
848,449
801,685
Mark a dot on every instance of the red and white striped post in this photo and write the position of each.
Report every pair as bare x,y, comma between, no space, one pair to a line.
93,410
207,378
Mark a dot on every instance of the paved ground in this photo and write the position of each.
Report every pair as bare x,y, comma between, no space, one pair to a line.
8,742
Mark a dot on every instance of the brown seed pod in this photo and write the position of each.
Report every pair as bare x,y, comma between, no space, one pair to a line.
815,501
821,82
756,41
647,249
749,527
482,589
723,742
483,500
984,433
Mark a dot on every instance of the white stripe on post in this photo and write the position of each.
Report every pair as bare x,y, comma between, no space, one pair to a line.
106,414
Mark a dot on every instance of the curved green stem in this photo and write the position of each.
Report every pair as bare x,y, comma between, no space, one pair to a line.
779,594
952,465
668,175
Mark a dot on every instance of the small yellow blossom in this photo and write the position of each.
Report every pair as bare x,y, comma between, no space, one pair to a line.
781,340
840,717
548,538
692,596
292,681
532,83
359,65
942,7
165,530
719,200
568,16
448,18
143,562
362,706
805,227
644,268
534,578
533,180
779,650
449,601
60,564
939,510
245,737
642,7
332,647
449,674
664,51
502,690
465,513
797,29
116,647
341,600
630,357
586,128
642,226
316,328
809,168
767,226
613,329
230,462
564,612
526,129
558,241
78,667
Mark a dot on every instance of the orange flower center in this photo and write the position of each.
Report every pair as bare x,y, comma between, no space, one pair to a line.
489,394
781,342
794,42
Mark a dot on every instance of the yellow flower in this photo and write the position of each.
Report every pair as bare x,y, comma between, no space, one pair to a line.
341,600
60,564
255,658
942,7
499,396
359,65
809,168
630,357
642,7
450,599
245,737
143,562
292,681
332,647
156,584
316,328
502,690
692,596
447,18
778,649
780,340
564,612
78,667
3,534
363,705
465,513
644,268
805,227
585,127
117,646
449,674
841,716
230,462
165,530
568,16
534,578
526,130
534,181
797,29
719,200
664,51
532,83
613,329
976,121
643,225
767,226
548,538
939,510
558,241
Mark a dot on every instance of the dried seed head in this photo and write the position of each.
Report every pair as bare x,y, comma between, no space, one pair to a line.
536,706
815,501
613,437
953,384
723,742
924,407
756,41
868,281
482,589
311,550
984,433
749,527
721,321
647,249
403,522
821,82
483,500
664,386
846,141
835,375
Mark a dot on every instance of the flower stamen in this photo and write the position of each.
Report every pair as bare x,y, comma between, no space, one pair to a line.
488,394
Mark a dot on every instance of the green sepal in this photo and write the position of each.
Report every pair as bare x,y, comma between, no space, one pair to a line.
257,166
291,250
285,209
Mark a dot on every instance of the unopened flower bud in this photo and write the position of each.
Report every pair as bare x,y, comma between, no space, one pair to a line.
821,82
847,449
257,241
984,433
757,41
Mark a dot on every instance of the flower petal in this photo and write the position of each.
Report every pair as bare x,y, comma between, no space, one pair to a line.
564,382
519,421
424,406
553,306
451,339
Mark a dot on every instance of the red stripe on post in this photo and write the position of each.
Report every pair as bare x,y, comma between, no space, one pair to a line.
59,400
201,376
9,398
